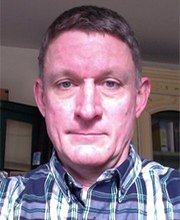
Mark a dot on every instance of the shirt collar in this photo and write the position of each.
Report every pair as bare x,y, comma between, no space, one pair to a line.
126,173
59,174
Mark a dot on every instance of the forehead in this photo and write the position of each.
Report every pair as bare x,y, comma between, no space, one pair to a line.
86,39
76,49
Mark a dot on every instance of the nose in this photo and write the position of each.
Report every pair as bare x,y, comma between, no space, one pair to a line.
88,106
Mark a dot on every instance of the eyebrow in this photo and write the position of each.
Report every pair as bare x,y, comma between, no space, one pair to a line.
62,73
115,72
111,72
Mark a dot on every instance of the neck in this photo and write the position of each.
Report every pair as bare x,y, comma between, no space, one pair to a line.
87,175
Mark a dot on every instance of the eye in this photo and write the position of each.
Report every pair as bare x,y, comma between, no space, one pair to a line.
111,84
65,84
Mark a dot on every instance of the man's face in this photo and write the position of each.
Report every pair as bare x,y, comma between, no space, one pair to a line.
89,98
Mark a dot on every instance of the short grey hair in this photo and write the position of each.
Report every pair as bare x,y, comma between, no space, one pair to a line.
92,19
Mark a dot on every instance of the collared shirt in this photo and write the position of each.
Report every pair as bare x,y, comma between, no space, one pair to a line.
137,189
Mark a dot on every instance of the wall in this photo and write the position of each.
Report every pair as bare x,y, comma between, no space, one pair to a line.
18,72
19,69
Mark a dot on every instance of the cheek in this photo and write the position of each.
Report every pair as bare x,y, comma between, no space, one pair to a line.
57,117
119,107
58,112
120,117
122,123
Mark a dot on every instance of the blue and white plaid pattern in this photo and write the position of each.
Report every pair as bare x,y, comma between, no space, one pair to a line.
138,189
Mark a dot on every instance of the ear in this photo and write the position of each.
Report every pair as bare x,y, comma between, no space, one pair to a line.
142,95
39,95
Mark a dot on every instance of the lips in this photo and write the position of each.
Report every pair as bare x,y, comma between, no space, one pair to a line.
85,134
86,137
89,133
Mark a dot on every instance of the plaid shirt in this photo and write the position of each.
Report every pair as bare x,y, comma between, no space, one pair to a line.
137,189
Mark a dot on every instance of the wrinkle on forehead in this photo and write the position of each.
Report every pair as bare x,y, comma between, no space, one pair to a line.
103,74
78,51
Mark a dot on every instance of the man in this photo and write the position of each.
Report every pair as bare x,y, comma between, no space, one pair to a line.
90,93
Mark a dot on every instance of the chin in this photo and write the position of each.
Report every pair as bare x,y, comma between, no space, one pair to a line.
89,161
85,155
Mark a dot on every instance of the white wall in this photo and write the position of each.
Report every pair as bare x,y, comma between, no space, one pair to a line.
19,69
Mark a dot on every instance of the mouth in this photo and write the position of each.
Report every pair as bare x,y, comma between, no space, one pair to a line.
86,133
86,137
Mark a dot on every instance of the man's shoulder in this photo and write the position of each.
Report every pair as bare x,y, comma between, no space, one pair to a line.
38,173
159,169
15,185
156,169
27,188
168,178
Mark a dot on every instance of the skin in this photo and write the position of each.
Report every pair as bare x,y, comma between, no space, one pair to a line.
90,101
